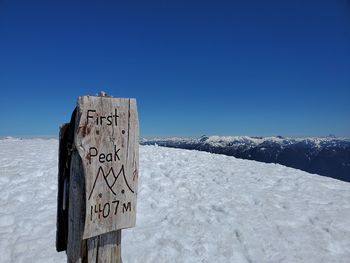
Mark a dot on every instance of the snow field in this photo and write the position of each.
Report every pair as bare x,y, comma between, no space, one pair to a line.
192,207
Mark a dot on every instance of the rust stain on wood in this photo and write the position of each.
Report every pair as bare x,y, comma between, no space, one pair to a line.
84,130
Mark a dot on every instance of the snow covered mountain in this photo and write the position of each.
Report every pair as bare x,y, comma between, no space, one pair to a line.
326,156
192,207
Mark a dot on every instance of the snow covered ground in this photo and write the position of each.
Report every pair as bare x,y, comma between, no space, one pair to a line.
192,207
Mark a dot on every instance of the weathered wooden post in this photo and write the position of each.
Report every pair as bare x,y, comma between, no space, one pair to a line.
98,176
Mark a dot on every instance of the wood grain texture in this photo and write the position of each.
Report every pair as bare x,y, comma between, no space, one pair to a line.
104,170
61,221
103,248
107,139
76,211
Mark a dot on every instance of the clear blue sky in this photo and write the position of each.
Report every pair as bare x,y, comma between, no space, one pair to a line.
200,67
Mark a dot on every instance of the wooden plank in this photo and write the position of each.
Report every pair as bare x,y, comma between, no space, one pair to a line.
102,248
105,248
76,211
66,139
61,223
107,140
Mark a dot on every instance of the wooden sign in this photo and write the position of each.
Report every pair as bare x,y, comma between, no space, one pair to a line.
107,140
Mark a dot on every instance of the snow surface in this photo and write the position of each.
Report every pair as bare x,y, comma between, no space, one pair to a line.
192,207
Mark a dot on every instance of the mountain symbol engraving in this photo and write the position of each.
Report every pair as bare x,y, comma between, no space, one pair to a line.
110,182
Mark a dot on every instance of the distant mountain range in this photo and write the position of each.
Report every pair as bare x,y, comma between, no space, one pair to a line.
328,156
